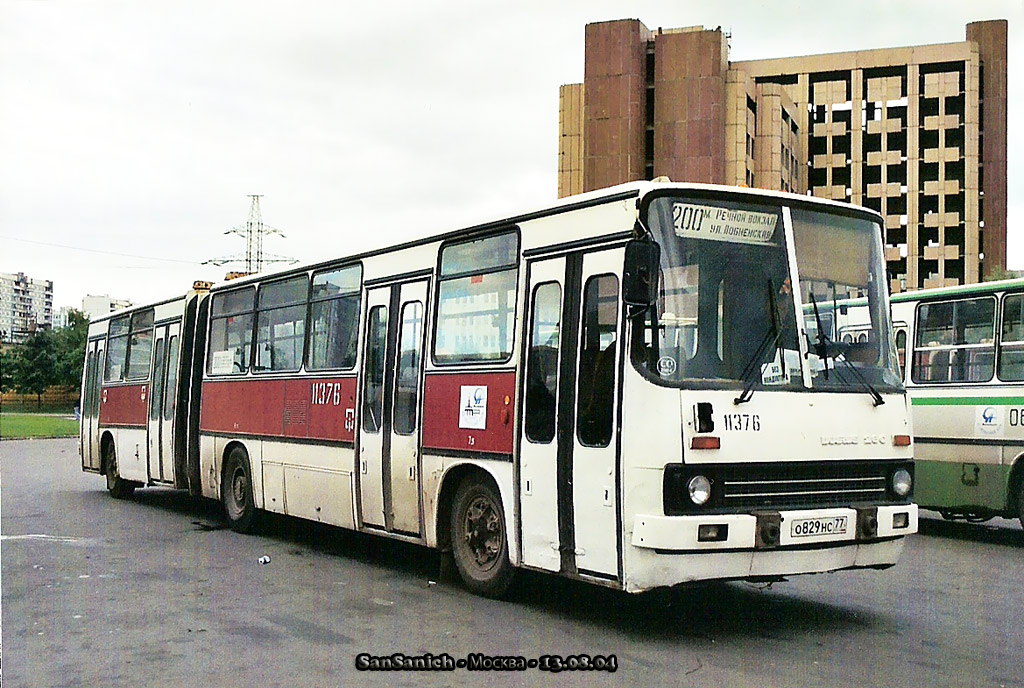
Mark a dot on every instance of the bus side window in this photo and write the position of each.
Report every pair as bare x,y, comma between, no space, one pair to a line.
156,399
901,350
231,319
281,324
140,345
476,300
955,341
334,319
171,393
1011,345
597,360
410,341
117,349
542,363
90,381
373,373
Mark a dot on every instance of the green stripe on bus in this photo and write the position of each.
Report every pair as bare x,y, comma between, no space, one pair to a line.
968,401
960,290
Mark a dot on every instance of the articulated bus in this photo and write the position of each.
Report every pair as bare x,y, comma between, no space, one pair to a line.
629,387
964,348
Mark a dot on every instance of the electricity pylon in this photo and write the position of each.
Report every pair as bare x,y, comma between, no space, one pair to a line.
253,230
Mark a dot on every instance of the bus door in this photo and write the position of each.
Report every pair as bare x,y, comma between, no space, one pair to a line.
569,444
90,411
162,401
389,446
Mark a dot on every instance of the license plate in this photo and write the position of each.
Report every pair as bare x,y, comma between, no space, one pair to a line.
811,527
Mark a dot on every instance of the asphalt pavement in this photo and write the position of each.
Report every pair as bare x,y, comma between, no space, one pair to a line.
155,591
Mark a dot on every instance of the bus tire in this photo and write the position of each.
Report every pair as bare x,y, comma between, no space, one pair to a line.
236,492
1020,502
118,487
478,536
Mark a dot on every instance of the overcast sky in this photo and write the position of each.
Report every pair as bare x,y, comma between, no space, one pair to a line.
137,129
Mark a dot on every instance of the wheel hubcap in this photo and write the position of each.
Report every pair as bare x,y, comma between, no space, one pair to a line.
482,532
238,492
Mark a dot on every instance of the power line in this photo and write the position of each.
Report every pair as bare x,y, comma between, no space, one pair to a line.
94,250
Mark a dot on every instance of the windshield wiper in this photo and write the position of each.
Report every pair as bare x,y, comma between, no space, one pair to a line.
770,341
825,348
875,396
821,346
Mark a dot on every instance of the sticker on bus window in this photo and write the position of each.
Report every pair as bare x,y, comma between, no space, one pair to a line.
773,372
473,407
284,330
223,362
666,366
724,224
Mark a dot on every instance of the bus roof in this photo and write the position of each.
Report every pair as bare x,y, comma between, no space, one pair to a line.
980,288
610,194
591,198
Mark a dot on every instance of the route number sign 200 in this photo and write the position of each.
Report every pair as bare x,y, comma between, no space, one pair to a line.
688,218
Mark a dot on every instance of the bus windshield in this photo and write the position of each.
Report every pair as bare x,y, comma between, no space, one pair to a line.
845,301
726,313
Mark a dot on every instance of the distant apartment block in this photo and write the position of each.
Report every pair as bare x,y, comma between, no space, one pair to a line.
916,133
97,306
61,318
26,305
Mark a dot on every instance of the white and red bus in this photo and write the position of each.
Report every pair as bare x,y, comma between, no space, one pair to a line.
623,387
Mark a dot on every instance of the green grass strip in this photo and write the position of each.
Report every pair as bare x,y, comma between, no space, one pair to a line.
26,425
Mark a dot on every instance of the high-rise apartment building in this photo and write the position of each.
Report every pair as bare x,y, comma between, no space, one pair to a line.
26,305
917,133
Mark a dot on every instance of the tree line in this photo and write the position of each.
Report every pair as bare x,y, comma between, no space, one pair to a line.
48,358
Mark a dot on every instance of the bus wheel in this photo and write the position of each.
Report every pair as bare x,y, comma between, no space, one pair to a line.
236,492
118,487
1020,502
479,544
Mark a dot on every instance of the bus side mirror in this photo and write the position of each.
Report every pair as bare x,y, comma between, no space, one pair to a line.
640,273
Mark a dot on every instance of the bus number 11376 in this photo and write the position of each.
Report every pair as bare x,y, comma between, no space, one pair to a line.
742,422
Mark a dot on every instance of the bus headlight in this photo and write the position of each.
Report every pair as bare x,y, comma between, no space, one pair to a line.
699,488
902,482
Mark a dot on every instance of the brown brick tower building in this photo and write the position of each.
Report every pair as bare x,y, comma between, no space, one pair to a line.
917,133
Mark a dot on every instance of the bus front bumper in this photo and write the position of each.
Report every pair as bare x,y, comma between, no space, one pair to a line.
772,530
670,550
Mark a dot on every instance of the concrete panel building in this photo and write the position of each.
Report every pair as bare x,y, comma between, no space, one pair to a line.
917,133
26,304
96,306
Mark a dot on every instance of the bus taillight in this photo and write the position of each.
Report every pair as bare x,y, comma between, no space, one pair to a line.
706,442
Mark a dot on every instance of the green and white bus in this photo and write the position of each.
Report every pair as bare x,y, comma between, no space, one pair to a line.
962,354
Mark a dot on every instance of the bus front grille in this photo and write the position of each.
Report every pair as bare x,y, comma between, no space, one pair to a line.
788,485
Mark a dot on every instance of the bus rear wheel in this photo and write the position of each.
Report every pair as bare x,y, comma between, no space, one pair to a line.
236,492
478,537
118,487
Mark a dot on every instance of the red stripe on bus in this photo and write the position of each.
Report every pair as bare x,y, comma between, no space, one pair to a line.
243,406
332,409
305,408
124,405
444,419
